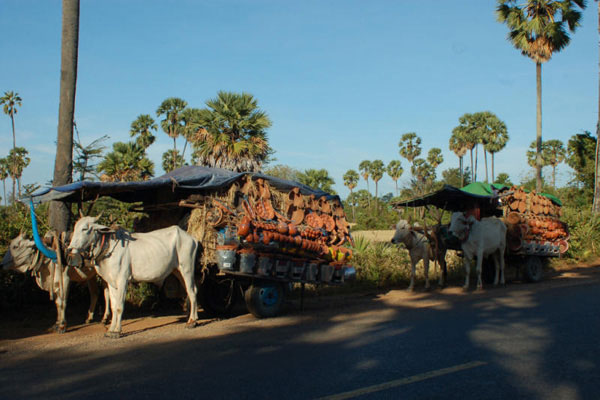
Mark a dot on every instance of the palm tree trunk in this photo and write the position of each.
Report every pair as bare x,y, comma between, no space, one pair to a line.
538,134
596,204
376,199
493,176
12,120
554,175
472,170
63,167
476,158
486,168
4,187
460,164
396,182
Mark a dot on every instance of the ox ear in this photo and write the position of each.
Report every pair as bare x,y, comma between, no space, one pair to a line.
471,219
103,229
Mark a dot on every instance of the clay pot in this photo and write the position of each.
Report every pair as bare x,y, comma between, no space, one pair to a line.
267,237
298,240
243,230
282,227
250,238
292,229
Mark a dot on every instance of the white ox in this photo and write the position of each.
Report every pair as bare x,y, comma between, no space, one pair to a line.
23,256
144,257
480,239
419,248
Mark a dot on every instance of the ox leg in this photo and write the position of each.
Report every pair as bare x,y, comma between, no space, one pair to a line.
117,302
467,262
61,304
106,302
413,267
501,256
426,268
443,269
479,266
93,289
187,274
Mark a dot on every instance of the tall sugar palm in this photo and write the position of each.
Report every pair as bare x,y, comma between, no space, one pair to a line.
555,154
351,180
4,173
192,123
365,170
59,212
496,136
17,161
172,123
318,179
85,155
376,171
459,147
435,157
410,146
127,162
142,129
468,133
233,133
395,171
540,28
171,159
10,101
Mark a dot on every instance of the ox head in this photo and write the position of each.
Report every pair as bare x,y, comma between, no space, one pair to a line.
20,254
460,225
403,229
85,235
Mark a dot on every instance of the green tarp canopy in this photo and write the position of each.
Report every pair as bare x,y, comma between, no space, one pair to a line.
483,195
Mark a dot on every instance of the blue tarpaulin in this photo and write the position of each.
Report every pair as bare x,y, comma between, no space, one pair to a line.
175,185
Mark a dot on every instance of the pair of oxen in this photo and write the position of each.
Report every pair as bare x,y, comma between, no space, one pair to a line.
117,256
479,239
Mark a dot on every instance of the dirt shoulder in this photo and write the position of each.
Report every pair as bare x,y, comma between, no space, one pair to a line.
29,333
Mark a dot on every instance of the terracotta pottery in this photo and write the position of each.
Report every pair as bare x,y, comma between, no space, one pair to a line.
297,240
522,207
293,229
324,205
328,222
513,218
282,227
297,216
267,237
243,229
250,238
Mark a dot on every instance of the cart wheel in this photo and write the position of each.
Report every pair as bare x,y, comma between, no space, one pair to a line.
264,300
533,268
218,295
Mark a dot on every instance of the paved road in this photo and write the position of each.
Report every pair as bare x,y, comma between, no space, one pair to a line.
521,342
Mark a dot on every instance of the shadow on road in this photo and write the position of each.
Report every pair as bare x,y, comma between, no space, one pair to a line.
533,342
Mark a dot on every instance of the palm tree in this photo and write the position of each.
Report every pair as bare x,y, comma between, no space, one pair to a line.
10,101
85,155
376,172
365,169
596,203
171,159
410,146
468,134
192,122
172,124
496,137
435,157
59,213
537,28
351,180
395,171
127,162
318,179
459,147
4,173
232,134
423,172
555,154
17,161
142,127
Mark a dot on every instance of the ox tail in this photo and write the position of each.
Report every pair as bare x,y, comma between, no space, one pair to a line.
36,236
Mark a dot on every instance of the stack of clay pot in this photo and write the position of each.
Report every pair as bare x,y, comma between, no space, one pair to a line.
533,218
305,226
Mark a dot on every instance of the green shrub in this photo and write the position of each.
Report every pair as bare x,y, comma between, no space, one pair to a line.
584,229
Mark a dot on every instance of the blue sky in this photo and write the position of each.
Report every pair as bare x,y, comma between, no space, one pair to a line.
341,80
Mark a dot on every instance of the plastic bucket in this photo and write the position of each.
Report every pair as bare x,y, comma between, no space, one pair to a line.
265,264
326,273
247,261
310,272
226,259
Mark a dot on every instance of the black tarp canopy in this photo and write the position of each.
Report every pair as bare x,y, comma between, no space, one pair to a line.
453,199
173,186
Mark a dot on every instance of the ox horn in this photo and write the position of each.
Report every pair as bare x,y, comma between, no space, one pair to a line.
36,236
81,214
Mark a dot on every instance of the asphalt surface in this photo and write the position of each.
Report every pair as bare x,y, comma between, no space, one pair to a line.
526,341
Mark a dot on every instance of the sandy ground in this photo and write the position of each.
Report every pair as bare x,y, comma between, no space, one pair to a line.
28,333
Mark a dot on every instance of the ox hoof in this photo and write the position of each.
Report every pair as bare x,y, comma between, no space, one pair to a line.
88,321
112,335
191,324
465,288
411,289
479,288
61,329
